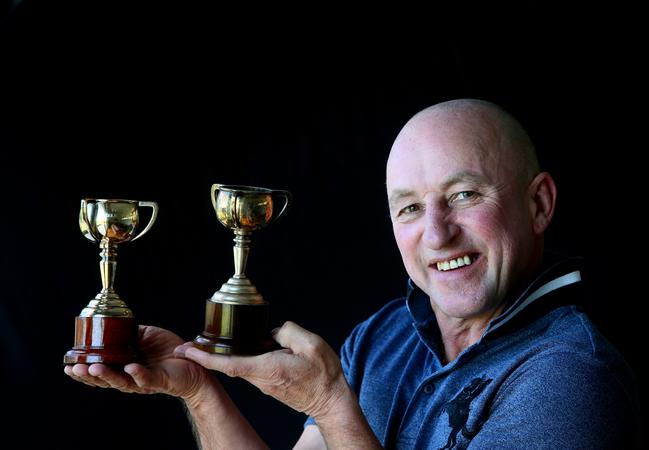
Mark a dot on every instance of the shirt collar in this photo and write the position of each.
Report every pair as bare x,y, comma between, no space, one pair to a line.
556,272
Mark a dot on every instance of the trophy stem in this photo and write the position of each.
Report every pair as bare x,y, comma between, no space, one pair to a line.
108,266
241,250
107,302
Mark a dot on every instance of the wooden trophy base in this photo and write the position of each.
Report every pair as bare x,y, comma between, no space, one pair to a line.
107,340
235,329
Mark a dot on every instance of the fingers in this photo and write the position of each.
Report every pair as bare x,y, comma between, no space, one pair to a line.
179,352
205,359
142,377
232,366
100,375
299,340
294,338
79,372
290,335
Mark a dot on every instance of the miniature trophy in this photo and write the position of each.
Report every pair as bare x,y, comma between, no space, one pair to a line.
236,317
106,330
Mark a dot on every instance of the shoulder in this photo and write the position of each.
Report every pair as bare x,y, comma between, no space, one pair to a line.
570,352
574,339
368,345
388,322
572,384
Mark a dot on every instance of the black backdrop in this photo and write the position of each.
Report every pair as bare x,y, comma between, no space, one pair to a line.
159,102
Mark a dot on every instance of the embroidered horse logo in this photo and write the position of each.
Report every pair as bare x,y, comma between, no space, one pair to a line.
458,410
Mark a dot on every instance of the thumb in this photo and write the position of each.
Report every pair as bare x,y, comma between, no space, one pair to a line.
296,338
232,366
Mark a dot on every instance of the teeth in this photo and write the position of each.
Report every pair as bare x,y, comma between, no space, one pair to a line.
454,263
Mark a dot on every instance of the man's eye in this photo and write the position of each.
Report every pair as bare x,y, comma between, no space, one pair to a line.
464,195
409,209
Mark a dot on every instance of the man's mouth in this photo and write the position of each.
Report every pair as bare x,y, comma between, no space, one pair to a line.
456,263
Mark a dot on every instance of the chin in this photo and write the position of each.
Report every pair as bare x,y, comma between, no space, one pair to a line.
460,308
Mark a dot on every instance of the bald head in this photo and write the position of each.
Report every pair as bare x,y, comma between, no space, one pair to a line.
464,189
493,132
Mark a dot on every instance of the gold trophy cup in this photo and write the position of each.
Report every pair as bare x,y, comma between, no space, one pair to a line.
106,331
236,317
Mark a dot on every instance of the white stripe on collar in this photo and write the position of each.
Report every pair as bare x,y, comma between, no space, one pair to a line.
565,280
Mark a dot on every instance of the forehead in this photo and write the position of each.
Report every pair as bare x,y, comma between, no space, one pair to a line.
428,154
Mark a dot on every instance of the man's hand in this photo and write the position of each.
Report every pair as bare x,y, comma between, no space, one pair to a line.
306,375
163,373
217,421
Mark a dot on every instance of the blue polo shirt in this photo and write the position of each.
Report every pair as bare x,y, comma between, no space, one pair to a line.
540,377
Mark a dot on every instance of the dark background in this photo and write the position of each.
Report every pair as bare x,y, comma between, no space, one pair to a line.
158,102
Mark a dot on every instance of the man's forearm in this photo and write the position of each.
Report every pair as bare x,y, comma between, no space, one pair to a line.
345,426
218,423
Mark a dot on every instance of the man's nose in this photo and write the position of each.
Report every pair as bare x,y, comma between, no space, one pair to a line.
440,229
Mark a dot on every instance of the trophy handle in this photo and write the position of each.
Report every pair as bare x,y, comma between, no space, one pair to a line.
86,229
215,187
288,198
154,206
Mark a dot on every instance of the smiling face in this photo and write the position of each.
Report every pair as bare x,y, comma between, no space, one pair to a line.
462,210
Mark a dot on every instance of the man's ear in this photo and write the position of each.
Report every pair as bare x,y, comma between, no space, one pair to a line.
542,195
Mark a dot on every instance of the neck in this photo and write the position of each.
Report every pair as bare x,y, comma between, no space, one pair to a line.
457,333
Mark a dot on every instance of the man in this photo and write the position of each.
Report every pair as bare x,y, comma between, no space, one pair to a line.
486,351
